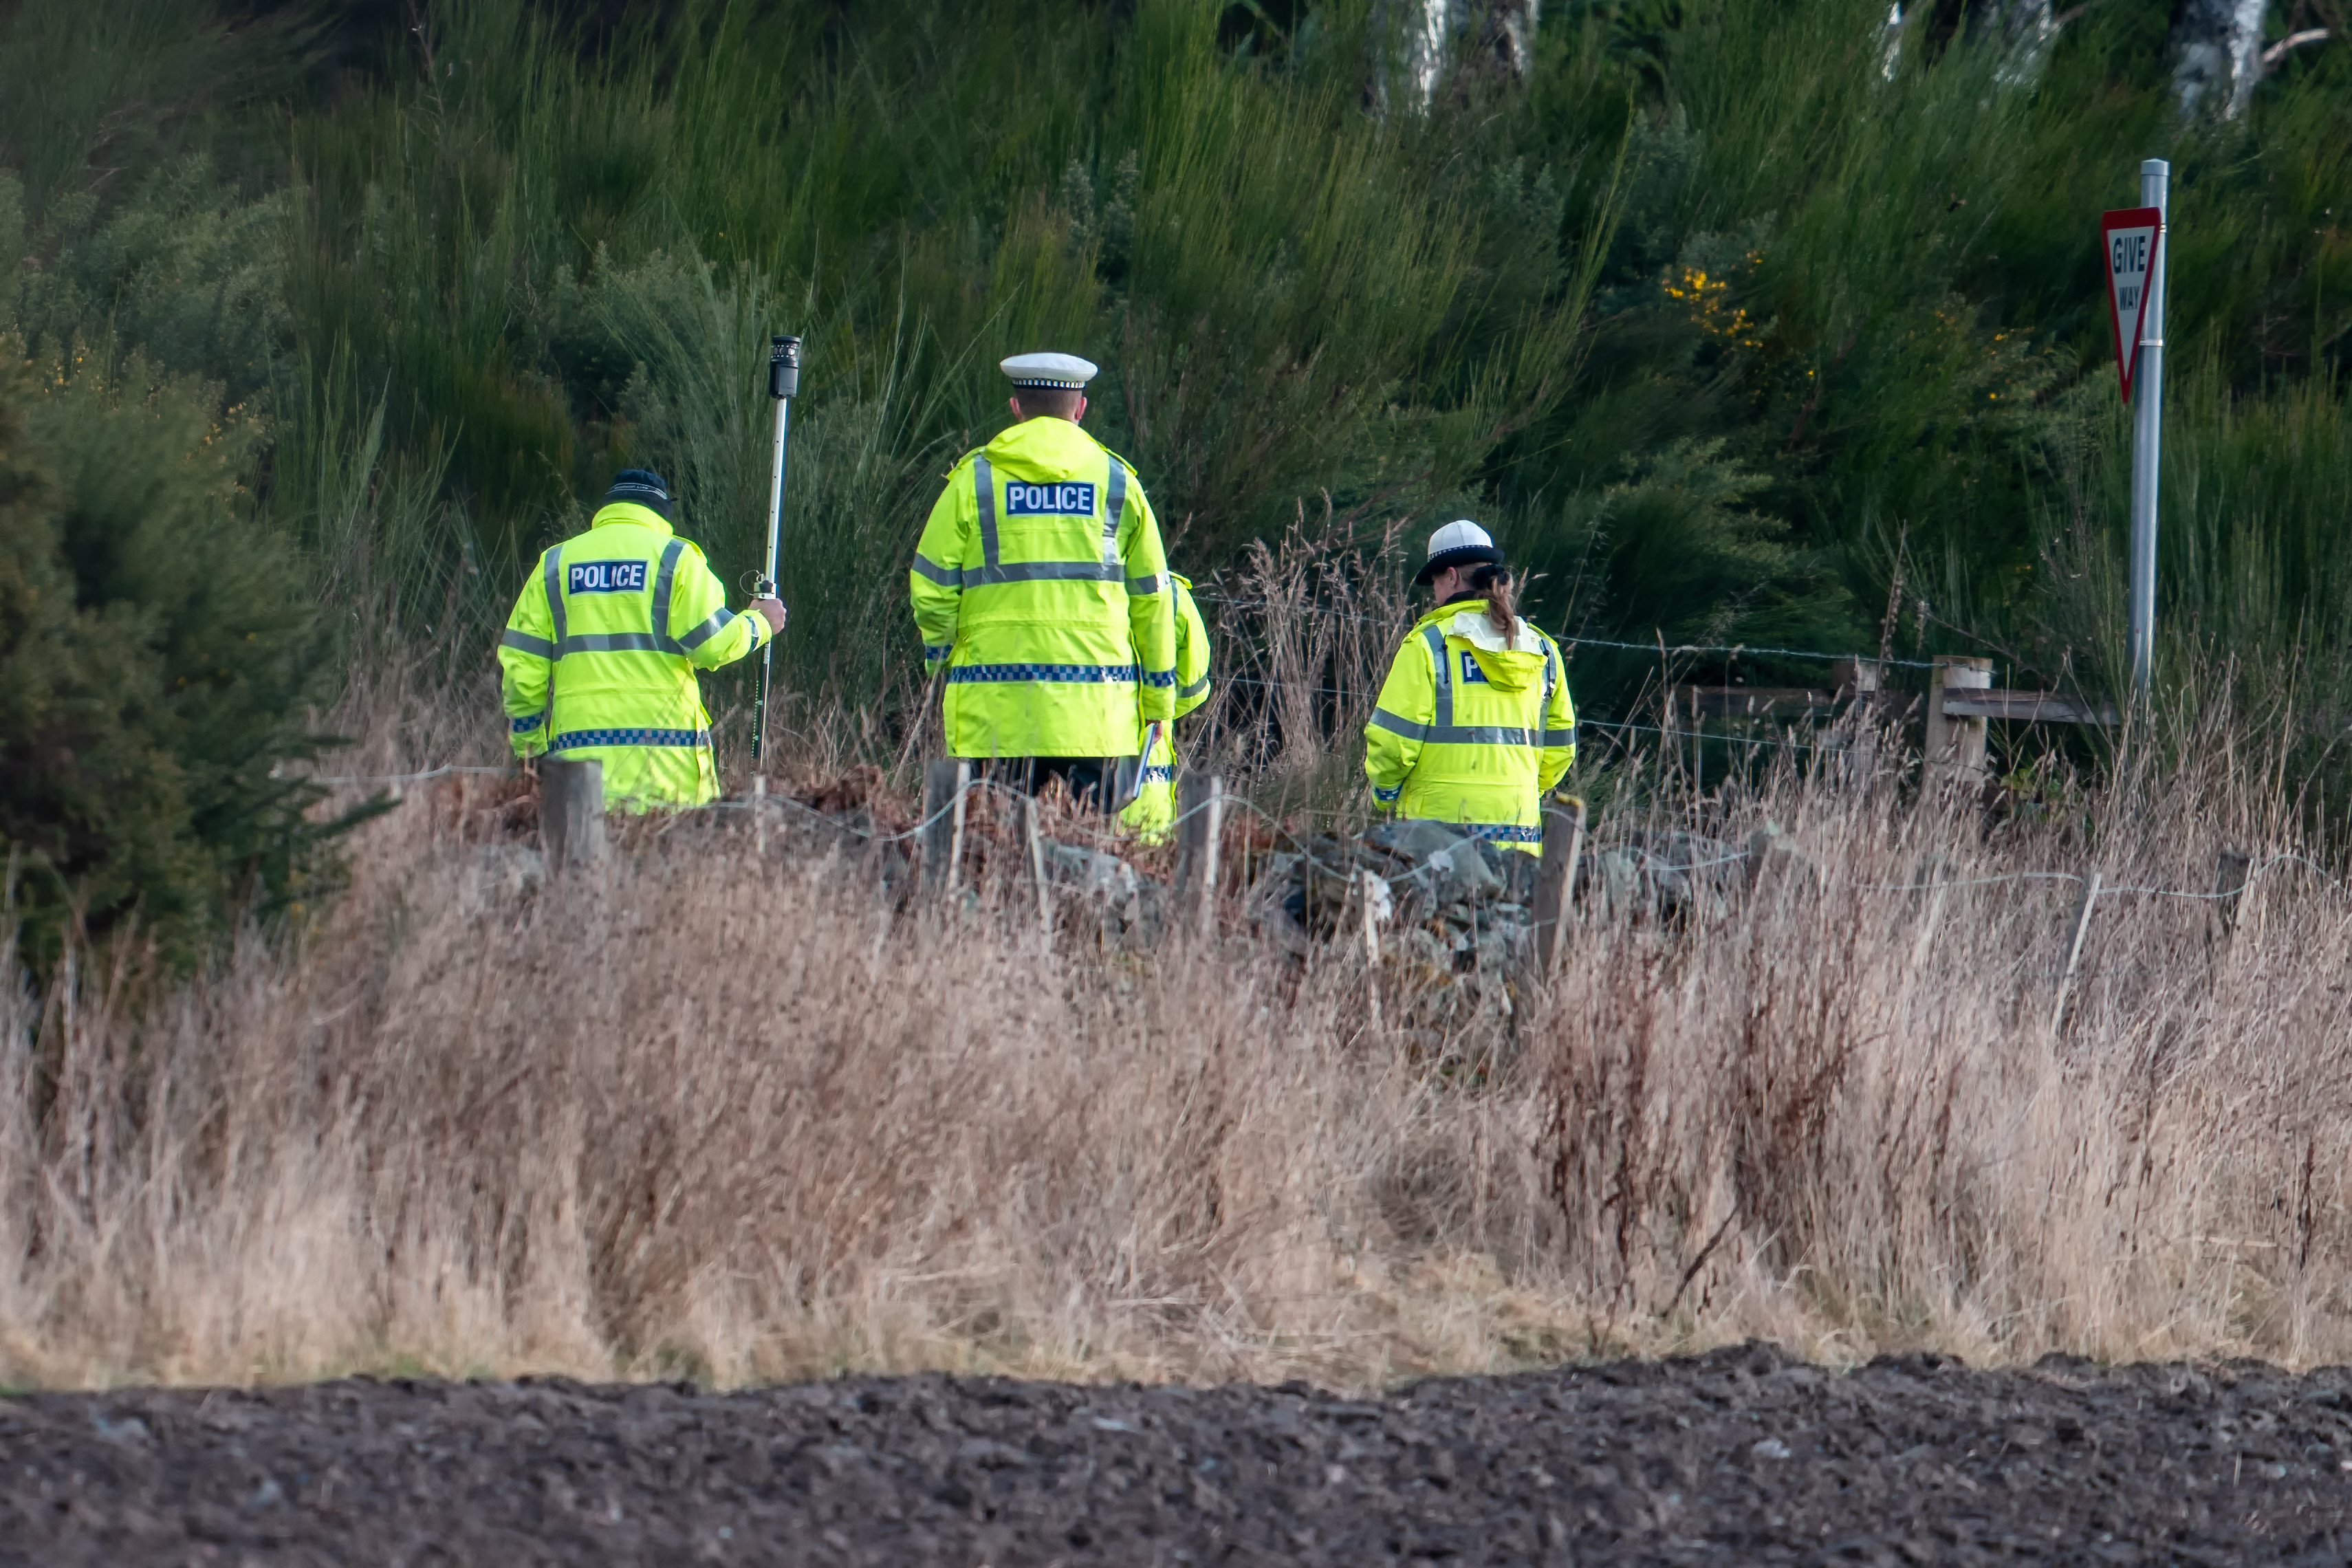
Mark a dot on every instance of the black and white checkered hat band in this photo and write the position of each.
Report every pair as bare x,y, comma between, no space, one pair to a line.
1051,383
632,489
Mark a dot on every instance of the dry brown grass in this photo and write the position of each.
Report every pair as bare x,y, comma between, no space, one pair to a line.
747,1119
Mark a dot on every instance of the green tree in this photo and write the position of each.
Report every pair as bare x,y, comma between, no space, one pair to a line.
159,650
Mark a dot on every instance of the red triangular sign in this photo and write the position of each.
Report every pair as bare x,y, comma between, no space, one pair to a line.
2129,237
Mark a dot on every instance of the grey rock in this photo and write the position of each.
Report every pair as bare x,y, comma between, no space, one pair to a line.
1090,871
500,873
1448,865
1461,872
1415,840
1677,875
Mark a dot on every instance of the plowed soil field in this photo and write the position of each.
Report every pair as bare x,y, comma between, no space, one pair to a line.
1740,1457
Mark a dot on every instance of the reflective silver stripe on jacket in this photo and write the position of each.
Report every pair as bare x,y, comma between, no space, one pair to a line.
553,577
1114,503
662,583
1443,664
523,642
1552,680
1044,572
614,642
984,490
719,622
1035,572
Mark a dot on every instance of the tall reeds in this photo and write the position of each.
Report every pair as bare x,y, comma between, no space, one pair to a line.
747,1118
1718,323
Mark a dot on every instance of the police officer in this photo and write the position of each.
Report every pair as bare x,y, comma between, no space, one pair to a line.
1473,724
1153,811
1040,587
599,653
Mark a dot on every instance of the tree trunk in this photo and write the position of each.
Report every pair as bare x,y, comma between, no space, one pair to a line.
1422,43
2023,29
2026,29
2217,53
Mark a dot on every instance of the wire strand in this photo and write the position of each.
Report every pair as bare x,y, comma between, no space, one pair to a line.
1299,847
441,772
1571,643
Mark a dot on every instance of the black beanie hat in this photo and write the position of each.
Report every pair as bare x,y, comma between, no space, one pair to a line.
644,488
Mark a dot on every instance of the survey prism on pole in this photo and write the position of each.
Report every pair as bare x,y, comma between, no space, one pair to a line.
2129,236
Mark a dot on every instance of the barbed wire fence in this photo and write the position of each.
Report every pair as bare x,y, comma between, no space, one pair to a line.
2093,890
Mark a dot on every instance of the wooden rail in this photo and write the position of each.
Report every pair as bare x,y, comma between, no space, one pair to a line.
1959,702
1962,701
2028,708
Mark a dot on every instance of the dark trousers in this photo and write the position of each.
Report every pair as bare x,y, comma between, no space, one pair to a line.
1091,781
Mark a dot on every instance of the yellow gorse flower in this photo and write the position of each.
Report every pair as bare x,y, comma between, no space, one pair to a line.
1710,298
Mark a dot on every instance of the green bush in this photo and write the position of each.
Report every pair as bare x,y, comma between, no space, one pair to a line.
158,653
1716,319
191,273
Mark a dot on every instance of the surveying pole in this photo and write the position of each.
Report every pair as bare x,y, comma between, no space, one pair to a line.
2147,434
783,385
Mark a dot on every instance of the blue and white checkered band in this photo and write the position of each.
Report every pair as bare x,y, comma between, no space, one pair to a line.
631,490
1072,497
604,576
1470,671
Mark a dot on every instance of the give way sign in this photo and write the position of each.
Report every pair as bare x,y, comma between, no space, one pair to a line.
2130,236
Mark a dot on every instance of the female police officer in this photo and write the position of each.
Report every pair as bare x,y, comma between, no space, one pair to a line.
1473,724
1152,814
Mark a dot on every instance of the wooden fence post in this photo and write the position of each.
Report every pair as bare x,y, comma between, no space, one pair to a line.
1934,873
1767,847
1956,747
2230,874
1563,845
945,784
1200,831
1859,681
2081,926
1366,909
570,814
1033,841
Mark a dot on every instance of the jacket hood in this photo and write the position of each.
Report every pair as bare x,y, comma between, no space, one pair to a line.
1044,445
630,511
1506,668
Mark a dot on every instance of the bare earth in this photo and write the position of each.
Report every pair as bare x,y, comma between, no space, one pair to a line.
1737,1457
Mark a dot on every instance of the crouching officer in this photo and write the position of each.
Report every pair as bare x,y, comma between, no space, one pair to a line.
1473,724
599,653
1153,810
1041,588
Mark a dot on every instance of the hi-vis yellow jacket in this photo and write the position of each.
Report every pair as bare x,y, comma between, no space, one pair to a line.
599,653
1470,731
1153,810
1040,585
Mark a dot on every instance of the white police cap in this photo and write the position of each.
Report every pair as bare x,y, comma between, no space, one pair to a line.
1064,373
1460,543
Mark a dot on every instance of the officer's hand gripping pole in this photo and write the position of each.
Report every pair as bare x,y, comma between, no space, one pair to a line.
783,385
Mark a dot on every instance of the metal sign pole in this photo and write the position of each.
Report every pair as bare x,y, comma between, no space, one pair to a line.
783,384
2148,435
